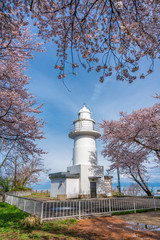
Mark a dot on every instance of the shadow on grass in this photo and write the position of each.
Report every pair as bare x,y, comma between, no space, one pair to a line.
11,217
67,229
11,226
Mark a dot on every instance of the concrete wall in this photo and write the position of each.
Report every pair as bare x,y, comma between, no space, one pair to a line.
87,171
84,180
84,184
69,186
21,193
58,186
100,186
72,185
98,171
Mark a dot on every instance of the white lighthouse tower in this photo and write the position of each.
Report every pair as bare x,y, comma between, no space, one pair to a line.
84,178
84,133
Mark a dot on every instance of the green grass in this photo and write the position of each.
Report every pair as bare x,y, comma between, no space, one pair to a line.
60,225
132,211
42,195
39,195
11,218
11,226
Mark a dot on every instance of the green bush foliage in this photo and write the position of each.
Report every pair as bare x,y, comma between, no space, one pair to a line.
19,188
5,184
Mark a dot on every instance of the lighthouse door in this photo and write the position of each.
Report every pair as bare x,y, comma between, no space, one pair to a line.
93,189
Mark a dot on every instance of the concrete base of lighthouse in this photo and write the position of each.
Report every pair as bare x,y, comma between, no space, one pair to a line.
80,181
64,185
89,174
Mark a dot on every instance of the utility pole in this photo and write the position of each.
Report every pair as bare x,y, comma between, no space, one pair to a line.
119,184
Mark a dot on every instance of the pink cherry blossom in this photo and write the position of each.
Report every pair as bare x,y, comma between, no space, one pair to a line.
117,33
20,128
132,141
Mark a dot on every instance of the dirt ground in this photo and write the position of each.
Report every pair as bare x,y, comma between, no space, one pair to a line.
150,218
118,228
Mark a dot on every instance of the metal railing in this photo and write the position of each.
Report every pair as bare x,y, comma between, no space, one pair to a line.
77,208
84,127
34,207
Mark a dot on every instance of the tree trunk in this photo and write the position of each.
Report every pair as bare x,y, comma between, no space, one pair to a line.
142,185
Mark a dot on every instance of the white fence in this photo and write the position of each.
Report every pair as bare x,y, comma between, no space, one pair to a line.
33,207
76,208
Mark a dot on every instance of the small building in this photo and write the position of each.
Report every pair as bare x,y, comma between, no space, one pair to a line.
85,178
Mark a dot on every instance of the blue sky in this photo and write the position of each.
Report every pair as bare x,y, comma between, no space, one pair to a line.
105,101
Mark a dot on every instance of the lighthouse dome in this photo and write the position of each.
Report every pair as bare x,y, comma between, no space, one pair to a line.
84,113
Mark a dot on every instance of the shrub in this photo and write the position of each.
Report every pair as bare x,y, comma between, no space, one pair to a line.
19,188
31,222
5,184
116,194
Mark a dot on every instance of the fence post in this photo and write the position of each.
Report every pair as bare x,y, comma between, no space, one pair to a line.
34,208
17,203
110,212
154,202
134,204
24,208
91,206
42,211
79,210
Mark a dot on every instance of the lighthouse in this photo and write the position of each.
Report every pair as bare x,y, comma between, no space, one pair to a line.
84,132
85,178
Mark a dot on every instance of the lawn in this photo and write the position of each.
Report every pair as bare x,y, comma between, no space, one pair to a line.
40,195
11,226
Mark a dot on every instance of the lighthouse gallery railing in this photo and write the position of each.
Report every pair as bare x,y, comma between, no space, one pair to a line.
84,127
